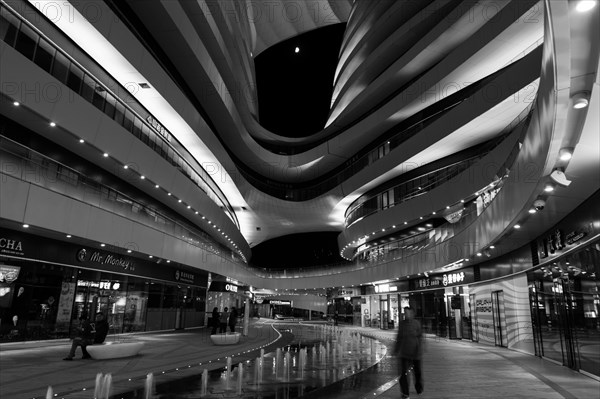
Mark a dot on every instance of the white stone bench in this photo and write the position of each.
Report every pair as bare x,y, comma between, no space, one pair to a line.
114,350
230,338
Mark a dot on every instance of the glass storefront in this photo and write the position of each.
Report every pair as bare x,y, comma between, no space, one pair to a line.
565,309
45,301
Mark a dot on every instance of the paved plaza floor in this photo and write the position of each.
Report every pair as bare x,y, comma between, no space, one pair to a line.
452,368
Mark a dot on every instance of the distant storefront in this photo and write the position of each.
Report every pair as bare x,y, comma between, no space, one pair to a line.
46,284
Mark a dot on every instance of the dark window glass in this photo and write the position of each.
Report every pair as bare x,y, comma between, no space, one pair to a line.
119,113
109,108
60,67
128,121
87,89
74,78
98,99
9,25
137,130
44,55
146,136
26,41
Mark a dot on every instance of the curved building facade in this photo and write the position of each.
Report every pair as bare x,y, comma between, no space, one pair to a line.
461,137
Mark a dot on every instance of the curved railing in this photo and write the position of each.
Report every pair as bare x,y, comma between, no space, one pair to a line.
31,43
57,177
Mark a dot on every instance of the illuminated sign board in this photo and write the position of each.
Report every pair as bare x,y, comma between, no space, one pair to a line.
381,288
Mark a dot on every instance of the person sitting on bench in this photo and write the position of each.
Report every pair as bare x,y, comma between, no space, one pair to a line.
101,328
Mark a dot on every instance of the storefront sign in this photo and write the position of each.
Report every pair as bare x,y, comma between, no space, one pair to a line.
105,259
382,288
483,306
278,302
11,247
231,287
184,277
574,236
65,253
453,278
427,282
158,127
8,274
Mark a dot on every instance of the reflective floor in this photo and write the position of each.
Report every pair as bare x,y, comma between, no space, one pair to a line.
452,369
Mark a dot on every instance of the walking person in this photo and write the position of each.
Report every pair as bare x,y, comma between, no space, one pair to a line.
223,320
233,319
85,337
409,350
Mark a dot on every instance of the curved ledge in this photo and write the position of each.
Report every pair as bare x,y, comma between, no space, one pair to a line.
226,339
115,350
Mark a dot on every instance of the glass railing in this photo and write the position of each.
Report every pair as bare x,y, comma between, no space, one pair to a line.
30,166
407,190
31,43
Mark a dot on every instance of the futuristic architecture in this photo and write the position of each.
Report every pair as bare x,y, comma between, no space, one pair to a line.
457,168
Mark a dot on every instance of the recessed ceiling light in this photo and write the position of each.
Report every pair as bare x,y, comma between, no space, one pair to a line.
129,251
52,124
517,226
102,245
169,194
532,210
168,261
156,186
492,246
297,50
179,201
68,235
81,141
142,177
565,154
26,226
585,5
150,256
16,103
125,167
549,188
105,155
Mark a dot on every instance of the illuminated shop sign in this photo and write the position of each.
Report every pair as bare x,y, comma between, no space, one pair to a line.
8,274
11,247
105,259
230,280
462,276
381,288
159,127
184,277
278,302
556,241
427,282
453,278
231,287
103,285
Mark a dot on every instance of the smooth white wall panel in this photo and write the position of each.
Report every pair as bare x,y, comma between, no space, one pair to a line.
13,197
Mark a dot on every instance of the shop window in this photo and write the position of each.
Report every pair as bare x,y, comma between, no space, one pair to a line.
60,67
87,88
44,55
26,41
98,98
128,120
9,26
119,113
110,106
75,78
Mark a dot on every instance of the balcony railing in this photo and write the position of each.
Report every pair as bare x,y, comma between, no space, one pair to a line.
31,43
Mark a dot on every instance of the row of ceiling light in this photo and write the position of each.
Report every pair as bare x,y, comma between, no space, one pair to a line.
157,186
